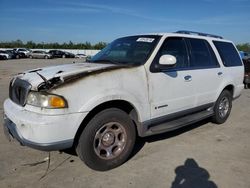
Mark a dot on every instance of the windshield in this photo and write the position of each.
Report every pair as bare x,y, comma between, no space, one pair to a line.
128,50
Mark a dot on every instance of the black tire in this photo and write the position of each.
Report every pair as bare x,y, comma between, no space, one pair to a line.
30,57
222,107
246,86
4,57
96,136
17,56
63,56
46,57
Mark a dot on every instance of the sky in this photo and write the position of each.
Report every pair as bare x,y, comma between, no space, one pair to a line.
96,20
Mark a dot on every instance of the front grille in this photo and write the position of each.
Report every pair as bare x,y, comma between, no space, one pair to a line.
19,90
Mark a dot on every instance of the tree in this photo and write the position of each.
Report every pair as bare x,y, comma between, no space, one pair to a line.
30,44
42,45
99,45
244,47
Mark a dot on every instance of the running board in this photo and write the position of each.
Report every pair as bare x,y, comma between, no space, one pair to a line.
178,123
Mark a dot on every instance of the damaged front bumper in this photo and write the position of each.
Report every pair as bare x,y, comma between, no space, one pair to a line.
11,132
39,131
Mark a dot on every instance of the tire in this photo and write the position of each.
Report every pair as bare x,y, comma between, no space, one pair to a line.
63,56
46,57
222,107
107,141
4,57
30,57
17,56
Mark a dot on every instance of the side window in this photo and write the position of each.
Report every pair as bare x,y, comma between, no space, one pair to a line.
228,53
202,54
174,46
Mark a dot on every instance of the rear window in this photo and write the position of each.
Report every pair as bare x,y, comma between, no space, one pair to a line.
228,53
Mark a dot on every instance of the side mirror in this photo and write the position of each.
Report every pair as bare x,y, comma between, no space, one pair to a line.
168,60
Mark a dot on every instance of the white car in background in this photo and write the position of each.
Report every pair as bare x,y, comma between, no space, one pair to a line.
24,51
81,56
4,55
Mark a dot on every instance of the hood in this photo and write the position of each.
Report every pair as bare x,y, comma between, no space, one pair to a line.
50,77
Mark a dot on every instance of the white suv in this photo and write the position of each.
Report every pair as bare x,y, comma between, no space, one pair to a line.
137,86
24,51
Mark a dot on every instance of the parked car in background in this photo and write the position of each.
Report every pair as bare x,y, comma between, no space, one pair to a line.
61,54
25,52
246,61
1,57
14,54
81,56
40,54
243,54
4,54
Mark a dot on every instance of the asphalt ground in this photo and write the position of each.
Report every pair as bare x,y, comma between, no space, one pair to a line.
201,155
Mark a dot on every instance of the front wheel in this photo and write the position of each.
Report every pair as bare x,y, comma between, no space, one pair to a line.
108,140
222,107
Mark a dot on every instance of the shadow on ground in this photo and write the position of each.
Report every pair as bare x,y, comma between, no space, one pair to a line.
191,175
140,142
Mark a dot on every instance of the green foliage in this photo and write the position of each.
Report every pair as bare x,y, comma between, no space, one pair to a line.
69,45
243,47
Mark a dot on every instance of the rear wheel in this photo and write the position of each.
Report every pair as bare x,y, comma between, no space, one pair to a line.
222,107
108,140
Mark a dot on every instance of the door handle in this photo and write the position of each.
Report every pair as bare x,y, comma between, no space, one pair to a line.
188,78
220,73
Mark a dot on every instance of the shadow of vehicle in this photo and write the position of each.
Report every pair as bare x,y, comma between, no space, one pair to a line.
191,175
140,142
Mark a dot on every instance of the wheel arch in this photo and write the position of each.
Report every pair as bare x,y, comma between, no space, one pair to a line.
230,88
120,104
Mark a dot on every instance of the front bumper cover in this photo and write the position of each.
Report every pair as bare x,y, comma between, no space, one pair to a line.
11,132
40,131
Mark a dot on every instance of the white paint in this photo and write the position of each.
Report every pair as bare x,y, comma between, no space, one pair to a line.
140,87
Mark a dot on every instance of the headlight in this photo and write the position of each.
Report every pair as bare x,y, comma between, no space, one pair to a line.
46,100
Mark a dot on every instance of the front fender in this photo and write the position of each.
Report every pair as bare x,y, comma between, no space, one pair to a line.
140,104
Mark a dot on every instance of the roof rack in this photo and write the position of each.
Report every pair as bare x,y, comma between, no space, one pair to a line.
198,33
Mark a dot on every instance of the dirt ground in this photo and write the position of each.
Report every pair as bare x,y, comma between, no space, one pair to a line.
202,155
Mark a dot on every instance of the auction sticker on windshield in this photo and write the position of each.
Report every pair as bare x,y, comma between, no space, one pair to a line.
145,39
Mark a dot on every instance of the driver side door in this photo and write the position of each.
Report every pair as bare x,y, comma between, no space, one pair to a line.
171,91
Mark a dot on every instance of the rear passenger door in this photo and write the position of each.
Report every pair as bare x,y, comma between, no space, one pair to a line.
207,76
